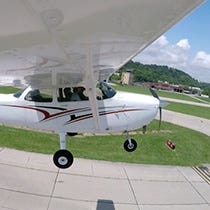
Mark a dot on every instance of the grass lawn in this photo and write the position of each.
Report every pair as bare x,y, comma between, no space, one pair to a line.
142,90
204,99
192,148
173,106
8,90
198,111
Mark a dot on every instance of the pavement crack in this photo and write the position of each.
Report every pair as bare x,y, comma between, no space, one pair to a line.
191,183
53,189
132,190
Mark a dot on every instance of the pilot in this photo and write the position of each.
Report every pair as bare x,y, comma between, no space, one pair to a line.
36,96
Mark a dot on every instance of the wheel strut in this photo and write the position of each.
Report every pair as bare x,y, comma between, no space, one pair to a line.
130,144
63,158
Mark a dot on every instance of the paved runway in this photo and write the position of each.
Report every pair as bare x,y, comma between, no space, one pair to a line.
195,123
29,181
189,121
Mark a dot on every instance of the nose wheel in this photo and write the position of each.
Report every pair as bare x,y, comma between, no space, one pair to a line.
130,145
63,159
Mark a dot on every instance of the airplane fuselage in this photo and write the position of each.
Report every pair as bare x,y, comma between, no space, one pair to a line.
122,112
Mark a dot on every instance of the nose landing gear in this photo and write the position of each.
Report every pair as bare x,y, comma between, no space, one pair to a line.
130,145
63,158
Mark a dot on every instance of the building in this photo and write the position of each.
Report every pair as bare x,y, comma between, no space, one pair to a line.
127,78
164,86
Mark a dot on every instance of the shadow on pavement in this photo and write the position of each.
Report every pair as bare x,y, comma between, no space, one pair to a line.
105,205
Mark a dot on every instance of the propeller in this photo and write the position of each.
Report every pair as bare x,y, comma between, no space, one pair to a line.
162,104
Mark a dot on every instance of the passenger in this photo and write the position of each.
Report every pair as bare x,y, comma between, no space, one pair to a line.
81,93
78,94
67,93
75,95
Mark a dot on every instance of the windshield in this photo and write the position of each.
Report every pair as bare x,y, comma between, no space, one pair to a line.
19,93
107,90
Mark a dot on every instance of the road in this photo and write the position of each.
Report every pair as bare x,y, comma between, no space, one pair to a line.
31,181
186,102
195,123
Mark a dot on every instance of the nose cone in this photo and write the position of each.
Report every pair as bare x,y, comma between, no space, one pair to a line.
149,107
141,101
147,102
139,109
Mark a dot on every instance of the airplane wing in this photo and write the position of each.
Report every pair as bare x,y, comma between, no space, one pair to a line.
62,42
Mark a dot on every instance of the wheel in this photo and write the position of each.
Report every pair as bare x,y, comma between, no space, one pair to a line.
63,159
71,134
130,147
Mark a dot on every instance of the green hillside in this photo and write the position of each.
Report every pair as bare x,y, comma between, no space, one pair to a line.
155,73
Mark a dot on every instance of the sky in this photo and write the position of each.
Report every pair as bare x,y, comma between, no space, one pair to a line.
186,46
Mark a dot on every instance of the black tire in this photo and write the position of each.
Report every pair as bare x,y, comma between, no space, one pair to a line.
128,147
63,159
71,134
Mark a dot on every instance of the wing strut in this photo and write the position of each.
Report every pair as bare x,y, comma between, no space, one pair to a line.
91,87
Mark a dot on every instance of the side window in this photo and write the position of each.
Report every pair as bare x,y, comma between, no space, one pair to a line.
103,91
39,96
64,94
72,94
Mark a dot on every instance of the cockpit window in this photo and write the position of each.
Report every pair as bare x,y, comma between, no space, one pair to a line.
107,90
72,94
19,93
37,96
103,91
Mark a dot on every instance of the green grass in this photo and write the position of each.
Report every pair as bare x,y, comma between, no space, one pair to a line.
133,89
204,99
142,90
8,90
192,148
173,106
198,111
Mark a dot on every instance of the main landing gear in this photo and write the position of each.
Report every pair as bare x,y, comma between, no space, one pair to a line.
63,158
130,145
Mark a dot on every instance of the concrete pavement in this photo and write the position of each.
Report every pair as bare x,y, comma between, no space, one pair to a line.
201,104
30,181
195,123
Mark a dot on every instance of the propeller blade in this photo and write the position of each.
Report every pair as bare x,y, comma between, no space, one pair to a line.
154,93
160,108
161,104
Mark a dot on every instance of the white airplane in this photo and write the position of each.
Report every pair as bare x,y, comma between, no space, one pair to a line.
64,50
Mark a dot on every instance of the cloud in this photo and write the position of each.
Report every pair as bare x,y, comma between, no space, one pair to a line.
184,44
162,41
202,60
162,52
